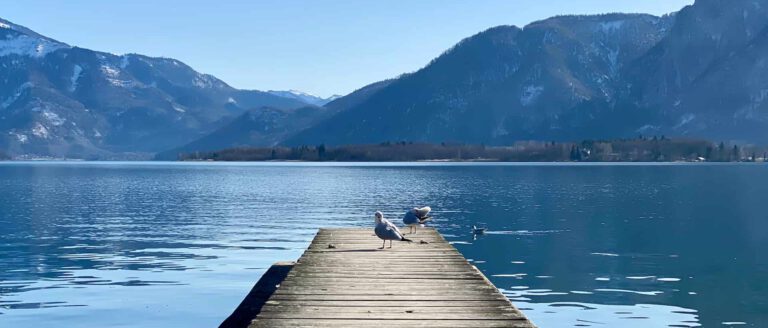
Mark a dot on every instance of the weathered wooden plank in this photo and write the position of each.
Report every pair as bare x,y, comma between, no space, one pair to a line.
373,292
352,283
401,308
386,275
446,304
399,315
386,282
343,323
420,267
379,287
375,276
385,254
393,285
367,274
402,298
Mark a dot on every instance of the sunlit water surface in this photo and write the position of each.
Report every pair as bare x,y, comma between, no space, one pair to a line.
180,244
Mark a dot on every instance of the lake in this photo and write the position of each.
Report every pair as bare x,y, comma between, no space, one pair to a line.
573,245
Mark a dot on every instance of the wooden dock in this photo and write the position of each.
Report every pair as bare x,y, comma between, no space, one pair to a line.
351,283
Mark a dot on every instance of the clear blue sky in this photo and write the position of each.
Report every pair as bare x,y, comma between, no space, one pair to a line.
320,46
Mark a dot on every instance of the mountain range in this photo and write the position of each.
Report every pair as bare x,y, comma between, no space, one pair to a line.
62,101
305,97
270,126
701,72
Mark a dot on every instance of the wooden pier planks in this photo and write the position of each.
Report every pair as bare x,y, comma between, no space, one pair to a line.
427,283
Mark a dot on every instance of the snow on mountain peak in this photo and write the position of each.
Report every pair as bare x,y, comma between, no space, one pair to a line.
301,93
24,45
302,96
611,26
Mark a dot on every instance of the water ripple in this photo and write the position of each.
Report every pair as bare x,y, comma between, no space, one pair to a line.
135,244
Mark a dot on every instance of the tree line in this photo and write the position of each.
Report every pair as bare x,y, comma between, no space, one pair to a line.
641,149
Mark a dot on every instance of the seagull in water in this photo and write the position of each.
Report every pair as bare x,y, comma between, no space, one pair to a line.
416,216
387,230
478,231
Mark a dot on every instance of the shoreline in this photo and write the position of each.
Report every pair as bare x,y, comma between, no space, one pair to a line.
365,163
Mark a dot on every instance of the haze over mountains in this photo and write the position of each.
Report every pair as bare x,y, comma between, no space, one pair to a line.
304,97
701,72
270,126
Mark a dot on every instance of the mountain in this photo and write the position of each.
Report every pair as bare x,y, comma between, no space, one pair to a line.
505,84
340,104
700,72
709,76
267,127
57,100
304,97
263,126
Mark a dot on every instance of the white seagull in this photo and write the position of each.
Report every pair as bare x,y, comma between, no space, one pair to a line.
387,230
416,217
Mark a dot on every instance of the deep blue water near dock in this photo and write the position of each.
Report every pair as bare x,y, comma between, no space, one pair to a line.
179,244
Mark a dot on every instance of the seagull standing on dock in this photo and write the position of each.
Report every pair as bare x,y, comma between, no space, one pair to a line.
387,230
416,217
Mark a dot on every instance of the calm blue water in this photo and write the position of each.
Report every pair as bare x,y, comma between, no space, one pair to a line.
179,244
